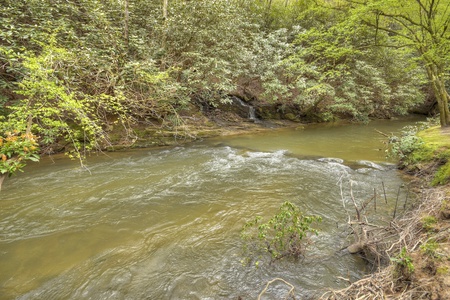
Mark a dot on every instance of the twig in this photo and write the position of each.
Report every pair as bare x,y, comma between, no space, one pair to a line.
396,202
406,200
375,199
354,202
291,291
382,133
384,190
345,279
340,186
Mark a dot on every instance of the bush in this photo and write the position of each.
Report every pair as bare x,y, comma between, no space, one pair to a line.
406,144
285,234
15,149
404,267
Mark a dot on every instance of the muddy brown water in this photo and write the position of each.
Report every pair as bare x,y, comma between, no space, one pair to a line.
164,223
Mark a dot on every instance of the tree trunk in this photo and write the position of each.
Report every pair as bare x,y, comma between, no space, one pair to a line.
126,21
165,5
440,93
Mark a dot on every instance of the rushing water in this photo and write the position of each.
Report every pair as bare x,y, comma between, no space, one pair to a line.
164,223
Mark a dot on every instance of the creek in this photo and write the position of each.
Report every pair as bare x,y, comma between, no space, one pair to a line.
165,223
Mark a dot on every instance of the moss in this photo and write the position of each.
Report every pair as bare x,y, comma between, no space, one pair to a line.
442,175
436,142
442,270
291,117
434,148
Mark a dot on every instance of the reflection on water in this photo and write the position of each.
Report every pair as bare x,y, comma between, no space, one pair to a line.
164,224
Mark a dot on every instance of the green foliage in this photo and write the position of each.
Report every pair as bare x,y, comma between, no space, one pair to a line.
15,150
206,50
429,248
276,14
77,67
263,74
338,75
411,145
210,45
436,149
285,234
406,144
56,109
421,28
404,266
428,223
442,175
442,271
424,143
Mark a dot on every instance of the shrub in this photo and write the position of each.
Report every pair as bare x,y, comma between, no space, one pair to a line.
406,144
15,149
285,234
404,267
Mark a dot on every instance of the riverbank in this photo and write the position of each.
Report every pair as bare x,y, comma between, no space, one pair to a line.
192,125
418,247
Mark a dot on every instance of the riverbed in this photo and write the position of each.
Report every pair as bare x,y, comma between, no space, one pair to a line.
165,223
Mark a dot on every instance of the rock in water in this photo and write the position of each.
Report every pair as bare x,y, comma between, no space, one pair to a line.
355,248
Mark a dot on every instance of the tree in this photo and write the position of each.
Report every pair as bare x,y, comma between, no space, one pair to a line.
339,72
165,6
57,110
418,25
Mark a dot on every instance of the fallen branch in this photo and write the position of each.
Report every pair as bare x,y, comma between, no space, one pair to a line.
382,133
404,232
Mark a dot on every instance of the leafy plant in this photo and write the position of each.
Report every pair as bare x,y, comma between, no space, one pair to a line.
15,149
405,144
285,234
403,264
56,109
429,248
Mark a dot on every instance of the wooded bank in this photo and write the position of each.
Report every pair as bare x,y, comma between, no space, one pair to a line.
70,71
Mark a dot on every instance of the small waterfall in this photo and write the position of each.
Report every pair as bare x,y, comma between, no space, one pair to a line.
251,109
251,113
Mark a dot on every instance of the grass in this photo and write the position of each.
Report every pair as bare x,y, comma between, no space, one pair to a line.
435,149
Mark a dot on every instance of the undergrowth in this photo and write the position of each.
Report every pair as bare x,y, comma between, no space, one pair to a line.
424,149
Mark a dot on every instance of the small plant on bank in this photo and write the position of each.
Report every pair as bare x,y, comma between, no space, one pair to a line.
404,267
408,142
285,234
428,223
430,249
403,145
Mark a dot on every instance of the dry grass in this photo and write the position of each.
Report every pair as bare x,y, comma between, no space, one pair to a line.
406,233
